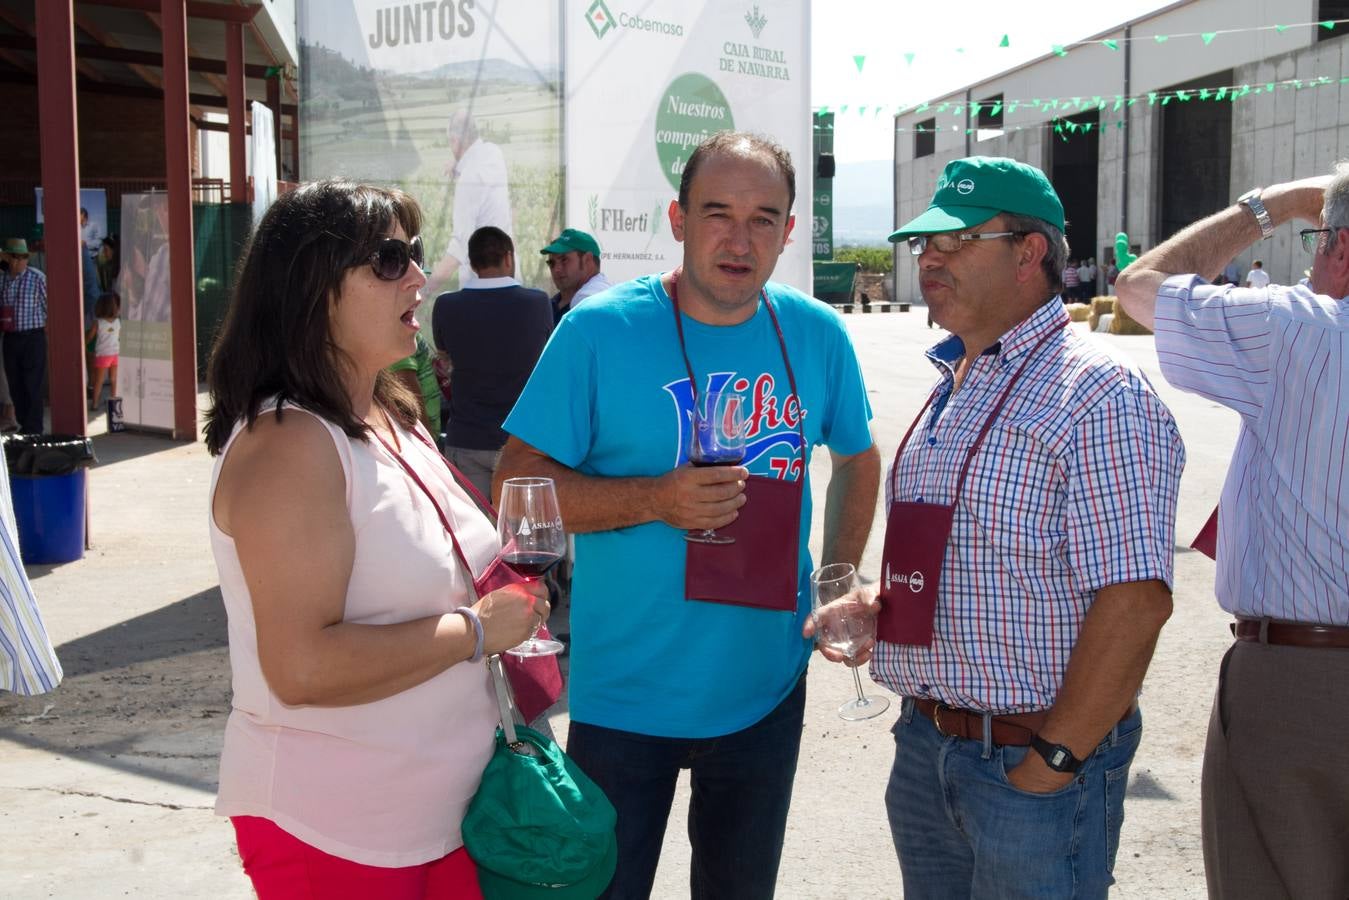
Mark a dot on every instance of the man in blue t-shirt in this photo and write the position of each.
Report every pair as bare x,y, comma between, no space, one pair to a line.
659,682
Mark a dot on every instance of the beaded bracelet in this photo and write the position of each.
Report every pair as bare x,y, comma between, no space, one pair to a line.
477,631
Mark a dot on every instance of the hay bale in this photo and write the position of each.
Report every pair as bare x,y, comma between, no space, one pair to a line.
1078,312
1122,323
1100,306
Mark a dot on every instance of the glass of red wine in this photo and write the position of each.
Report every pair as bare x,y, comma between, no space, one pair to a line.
529,523
716,438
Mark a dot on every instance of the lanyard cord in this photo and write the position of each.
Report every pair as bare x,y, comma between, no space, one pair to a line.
782,344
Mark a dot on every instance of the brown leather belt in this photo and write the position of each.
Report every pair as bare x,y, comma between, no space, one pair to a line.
1290,634
1012,730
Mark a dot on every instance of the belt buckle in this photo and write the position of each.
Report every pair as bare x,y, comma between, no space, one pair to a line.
936,718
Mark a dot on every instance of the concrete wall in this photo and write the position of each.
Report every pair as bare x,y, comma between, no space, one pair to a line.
1274,137
1289,135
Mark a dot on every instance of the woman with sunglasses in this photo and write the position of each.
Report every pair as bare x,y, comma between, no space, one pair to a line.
363,717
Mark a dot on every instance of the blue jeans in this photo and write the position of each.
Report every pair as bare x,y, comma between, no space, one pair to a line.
962,830
742,787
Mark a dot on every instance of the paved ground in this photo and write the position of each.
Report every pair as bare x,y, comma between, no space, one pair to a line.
106,785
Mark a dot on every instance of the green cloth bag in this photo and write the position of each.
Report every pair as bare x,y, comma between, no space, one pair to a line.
538,826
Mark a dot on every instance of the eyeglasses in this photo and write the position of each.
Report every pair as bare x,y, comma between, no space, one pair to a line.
949,242
390,262
1311,237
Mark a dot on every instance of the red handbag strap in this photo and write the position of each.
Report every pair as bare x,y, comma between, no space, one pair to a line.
417,480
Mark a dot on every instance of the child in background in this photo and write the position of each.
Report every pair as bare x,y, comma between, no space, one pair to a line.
105,333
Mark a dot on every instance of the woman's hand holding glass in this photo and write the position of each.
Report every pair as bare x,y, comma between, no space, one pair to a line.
510,615
533,540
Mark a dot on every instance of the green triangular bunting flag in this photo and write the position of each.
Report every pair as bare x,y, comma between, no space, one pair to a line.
1208,37
1004,42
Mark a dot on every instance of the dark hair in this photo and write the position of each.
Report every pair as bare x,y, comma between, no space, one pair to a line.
275,339
743,144
108,305
487,248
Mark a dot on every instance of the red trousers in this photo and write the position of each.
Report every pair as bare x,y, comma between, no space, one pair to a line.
283,867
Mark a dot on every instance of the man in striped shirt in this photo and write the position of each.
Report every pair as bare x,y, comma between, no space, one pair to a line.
1019,719
1275,788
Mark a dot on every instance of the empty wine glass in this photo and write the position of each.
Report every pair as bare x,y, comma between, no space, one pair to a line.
533,540
716,438
843,623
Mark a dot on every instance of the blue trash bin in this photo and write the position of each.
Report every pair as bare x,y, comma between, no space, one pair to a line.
47,483
49,510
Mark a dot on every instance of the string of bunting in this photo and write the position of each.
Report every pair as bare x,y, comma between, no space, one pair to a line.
1207,37
1111,103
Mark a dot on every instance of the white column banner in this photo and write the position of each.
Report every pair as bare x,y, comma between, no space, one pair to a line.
145,364
646,82
262,160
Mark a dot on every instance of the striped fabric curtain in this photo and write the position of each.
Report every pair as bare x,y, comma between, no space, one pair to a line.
28,664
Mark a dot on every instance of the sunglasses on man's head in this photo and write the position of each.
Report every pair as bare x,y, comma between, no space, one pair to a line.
391,260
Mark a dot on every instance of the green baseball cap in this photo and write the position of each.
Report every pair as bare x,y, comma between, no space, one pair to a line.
971,191
572,239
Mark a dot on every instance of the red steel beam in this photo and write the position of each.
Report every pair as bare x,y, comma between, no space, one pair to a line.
194,9
178,176
212,101
125,55
238,93
61,213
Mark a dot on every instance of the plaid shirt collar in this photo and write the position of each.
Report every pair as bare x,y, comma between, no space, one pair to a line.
1012,346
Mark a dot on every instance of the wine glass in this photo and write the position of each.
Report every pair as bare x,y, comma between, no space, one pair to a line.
716,438
533,540
844,624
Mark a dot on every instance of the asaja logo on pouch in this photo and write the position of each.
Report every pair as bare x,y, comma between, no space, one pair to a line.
914,580
600,19
755,21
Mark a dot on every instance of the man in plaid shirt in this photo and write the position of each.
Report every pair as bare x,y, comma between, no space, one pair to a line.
24,298
1051,469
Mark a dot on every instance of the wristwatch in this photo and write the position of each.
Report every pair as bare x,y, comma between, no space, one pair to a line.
1251,200
1056,756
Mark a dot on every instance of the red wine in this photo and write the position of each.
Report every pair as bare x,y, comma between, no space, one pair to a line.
532,564
704,463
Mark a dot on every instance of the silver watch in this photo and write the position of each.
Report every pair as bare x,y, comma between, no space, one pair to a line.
1251,200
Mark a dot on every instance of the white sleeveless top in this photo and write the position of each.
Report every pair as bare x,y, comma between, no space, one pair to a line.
384,783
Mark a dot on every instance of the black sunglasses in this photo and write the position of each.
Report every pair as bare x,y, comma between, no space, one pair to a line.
391,260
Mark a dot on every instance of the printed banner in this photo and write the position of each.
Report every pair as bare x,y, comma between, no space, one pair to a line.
456,102
646,82
822,225
145,364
